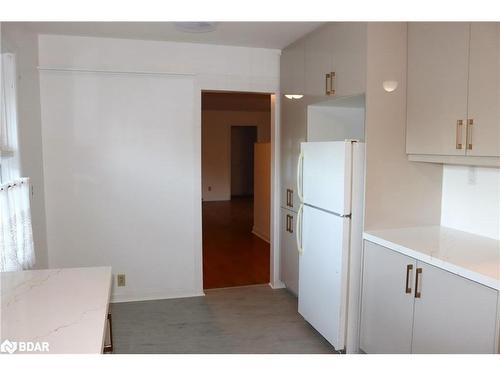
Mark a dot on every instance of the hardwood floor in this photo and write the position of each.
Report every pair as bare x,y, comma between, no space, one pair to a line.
232,255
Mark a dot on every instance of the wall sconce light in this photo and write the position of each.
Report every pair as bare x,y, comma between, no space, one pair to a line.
293,96
390,86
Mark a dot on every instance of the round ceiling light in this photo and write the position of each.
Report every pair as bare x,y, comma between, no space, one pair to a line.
196,27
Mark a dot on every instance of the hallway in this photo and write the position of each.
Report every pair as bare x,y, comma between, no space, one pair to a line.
232,255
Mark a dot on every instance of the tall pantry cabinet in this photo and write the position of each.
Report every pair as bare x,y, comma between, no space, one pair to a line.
293,132
327,63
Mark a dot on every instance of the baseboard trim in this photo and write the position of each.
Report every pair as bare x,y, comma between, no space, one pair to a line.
277,285
155,296
237,287
260,235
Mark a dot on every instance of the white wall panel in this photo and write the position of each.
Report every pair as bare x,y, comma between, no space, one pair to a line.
121,171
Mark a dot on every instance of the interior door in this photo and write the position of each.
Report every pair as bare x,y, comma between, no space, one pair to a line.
326,175
437,87
289,253
323,273
453,314
387,304
484,85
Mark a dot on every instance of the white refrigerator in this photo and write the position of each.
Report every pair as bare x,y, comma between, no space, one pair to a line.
330,181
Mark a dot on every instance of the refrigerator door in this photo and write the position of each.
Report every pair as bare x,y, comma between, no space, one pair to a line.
325,175
323,273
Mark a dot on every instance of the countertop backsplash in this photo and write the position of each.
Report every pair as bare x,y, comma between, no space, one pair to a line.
471,200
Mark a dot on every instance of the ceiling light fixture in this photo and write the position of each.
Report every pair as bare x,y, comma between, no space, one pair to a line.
294,96
196,27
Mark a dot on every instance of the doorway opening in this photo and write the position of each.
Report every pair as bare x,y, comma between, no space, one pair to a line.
236,188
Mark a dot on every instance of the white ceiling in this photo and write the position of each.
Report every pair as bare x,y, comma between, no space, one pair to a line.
249,34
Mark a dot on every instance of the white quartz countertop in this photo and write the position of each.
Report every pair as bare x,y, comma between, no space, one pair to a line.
473,257
67,308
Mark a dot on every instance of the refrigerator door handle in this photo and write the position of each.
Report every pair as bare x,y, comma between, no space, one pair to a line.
300,165
298,230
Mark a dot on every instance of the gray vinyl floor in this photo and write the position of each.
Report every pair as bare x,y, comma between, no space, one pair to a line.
254,319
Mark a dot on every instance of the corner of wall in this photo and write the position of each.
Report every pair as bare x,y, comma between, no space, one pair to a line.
399,192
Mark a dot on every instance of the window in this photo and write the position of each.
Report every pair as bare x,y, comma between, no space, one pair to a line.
16,236
9,154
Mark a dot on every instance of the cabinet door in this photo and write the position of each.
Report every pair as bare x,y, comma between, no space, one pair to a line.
292,68
437,87
289,253
386,307
348,44
318,61
453,314
484,86
293,132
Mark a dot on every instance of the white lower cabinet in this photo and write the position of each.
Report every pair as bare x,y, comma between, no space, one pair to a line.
409,306
453,314
289,253
387,310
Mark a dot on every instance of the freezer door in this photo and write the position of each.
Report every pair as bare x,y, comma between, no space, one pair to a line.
325,175
323,273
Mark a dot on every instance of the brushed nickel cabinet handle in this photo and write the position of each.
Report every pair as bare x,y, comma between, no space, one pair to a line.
332,77
291,223
417,292
458,135
289,197
409,268
470,122
327,78
108,347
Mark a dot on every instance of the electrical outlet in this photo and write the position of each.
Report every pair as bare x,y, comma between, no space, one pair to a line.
120,279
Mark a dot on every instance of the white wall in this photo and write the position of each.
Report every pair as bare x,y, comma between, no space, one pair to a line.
335,123
471,200
399,192
216,147
119,185
262,191
24,45
215,68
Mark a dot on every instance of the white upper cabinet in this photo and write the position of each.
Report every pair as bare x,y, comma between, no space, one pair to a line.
437,88
292,79
453,93
338,48
484,85
318,62
348,40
